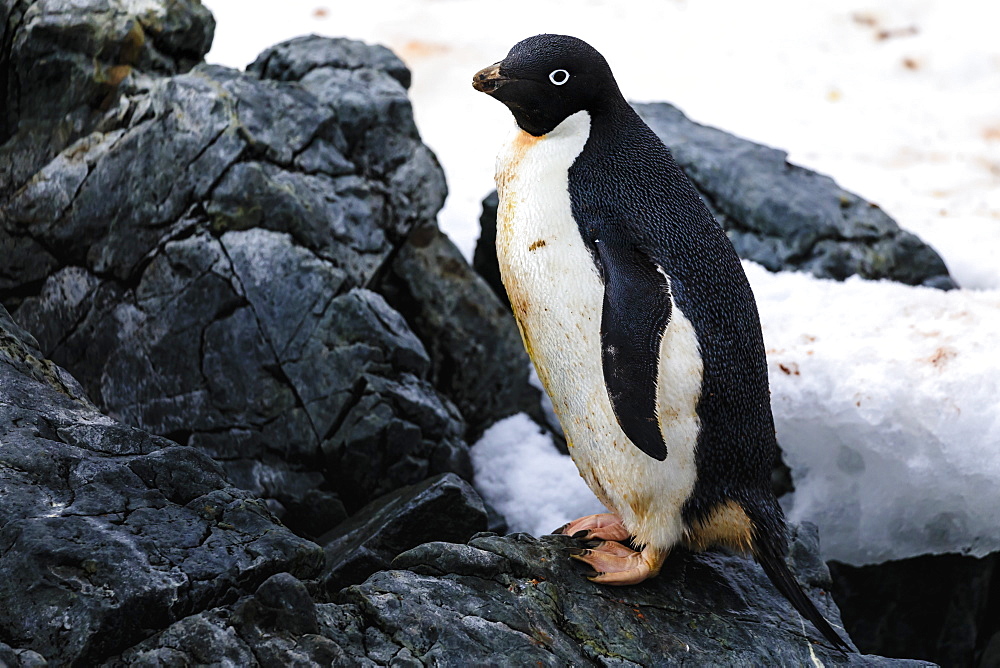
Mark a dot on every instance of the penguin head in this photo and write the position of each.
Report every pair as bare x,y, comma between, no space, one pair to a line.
546,78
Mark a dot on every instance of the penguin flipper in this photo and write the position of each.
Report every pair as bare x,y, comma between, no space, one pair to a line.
769,555
635,314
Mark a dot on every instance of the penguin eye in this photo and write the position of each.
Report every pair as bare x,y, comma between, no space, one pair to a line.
559,77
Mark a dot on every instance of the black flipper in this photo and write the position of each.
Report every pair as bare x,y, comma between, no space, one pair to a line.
769,555
635,315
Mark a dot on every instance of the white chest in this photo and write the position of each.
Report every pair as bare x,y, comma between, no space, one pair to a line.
557,296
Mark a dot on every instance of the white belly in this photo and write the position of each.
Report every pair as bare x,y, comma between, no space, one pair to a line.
557,294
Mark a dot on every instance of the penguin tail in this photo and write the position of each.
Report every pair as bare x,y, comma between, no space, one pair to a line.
768,553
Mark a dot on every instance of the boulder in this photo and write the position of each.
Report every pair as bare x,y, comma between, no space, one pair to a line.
221,298
516,600
786,217
106,531
229,297
62,63
780,215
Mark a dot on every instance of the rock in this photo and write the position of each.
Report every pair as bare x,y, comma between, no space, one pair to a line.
484,260
515,600
280,625
62,63
477,356
107,531
784,217
941,608
443,508
22,658
222,299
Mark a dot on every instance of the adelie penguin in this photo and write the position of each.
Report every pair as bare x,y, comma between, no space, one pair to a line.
639,319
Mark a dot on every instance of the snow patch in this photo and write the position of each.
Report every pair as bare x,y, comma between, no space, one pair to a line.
520,472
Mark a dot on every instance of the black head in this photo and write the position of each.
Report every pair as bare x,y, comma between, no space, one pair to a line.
546,78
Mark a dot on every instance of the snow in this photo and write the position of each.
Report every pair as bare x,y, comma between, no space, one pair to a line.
890,423
886,401
534,486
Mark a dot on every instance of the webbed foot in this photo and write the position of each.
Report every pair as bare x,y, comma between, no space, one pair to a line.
617,564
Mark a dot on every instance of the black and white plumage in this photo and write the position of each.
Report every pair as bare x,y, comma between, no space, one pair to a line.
639,319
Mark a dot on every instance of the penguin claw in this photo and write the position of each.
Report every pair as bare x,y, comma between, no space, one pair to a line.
617,564
560,530
605,526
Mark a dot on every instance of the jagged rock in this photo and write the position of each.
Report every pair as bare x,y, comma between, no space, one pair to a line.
20,658
940,608
106,531
220,299
62,61
518,600
484,259
443,508
780,215
477,356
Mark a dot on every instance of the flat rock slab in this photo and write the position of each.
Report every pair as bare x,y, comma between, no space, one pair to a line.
442,508
107,532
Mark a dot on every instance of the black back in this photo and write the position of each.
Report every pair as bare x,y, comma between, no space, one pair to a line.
625,186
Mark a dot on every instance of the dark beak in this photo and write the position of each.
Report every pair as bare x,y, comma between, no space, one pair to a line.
489,80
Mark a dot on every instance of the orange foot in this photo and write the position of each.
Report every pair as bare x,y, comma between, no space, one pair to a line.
616,564
606,526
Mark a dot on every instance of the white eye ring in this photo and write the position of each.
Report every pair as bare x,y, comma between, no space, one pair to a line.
559,77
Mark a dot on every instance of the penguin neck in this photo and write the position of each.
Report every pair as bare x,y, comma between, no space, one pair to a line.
613,114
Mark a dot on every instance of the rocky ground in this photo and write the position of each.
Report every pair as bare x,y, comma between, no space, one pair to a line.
238,429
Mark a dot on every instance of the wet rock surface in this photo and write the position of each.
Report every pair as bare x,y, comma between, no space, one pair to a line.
105,530
443,508
514,600
204,262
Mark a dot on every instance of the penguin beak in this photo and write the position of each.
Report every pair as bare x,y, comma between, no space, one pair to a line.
489,80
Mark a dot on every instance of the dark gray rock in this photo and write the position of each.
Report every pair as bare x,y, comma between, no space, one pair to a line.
20,658
784,217
280,625
515,600
107,532
484,260
62,63
941,608
220,299
477,358
443,508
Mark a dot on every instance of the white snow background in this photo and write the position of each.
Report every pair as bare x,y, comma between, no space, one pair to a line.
886,397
